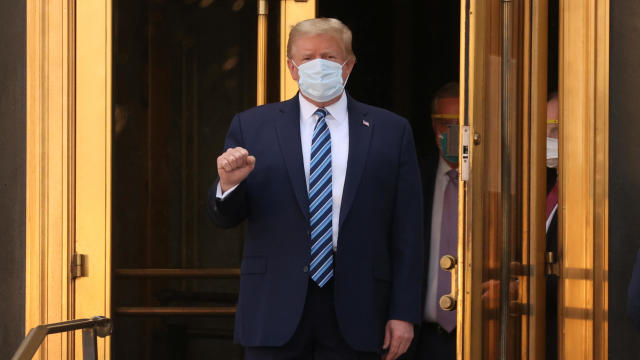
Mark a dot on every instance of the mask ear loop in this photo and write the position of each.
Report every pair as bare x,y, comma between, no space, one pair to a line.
347,79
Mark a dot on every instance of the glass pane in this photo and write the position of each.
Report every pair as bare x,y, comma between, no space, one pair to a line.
503,334
182,69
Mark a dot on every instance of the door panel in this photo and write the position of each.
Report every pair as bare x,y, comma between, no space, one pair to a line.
182,69
503,198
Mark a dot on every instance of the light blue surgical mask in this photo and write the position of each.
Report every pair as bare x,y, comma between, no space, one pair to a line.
450,156
320,79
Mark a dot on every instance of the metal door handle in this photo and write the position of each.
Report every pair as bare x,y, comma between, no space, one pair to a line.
450,263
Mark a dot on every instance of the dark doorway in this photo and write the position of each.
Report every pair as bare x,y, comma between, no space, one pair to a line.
182,69
624,175
405,53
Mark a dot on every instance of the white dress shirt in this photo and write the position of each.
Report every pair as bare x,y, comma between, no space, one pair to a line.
431,302
337,120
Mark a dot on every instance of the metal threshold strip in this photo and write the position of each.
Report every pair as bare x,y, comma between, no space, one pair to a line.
177,311
214,273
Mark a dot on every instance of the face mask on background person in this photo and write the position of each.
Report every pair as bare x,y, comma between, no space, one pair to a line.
320,79
450,157
552,152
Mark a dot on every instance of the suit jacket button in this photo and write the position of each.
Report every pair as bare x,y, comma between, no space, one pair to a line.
305,269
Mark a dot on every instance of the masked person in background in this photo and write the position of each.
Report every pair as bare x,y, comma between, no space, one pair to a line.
552,225
330,189
437,336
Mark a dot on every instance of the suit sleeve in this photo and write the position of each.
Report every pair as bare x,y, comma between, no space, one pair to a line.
407,237
233,209
633,301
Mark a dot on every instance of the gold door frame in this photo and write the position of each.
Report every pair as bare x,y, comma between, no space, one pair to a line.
291,12
48,200
584,212
68,166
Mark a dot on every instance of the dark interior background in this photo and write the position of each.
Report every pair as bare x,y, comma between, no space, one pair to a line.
624,173
405,53
182,69
13,123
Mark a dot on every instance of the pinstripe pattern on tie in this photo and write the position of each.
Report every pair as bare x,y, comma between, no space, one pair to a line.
321,202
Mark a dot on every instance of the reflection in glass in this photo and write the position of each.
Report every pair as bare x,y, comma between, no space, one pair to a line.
503,317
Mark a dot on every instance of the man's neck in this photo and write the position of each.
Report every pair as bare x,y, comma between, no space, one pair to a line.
322,104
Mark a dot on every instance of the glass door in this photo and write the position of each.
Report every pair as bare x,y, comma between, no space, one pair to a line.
181,70
501,253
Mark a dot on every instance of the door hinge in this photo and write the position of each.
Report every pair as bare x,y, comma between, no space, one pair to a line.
79,266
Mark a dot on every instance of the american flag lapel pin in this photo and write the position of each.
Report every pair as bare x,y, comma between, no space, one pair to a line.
365,123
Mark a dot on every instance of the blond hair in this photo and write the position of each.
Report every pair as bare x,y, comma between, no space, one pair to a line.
328,26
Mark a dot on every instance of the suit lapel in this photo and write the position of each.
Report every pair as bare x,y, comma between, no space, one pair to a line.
288,130
360,129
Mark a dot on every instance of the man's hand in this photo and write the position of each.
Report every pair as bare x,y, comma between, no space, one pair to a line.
397,338
234,166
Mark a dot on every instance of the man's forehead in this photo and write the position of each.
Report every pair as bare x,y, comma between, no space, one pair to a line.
448,105
318,42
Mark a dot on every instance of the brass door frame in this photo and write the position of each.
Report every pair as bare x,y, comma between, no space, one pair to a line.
50,148
583,214
291,12
68,165
535,174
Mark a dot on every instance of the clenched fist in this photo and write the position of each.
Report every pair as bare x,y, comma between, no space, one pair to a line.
234,166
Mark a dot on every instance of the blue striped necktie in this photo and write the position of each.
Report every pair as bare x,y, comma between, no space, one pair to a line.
321,202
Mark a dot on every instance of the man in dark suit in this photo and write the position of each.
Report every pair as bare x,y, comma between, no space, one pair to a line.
437,337
330,189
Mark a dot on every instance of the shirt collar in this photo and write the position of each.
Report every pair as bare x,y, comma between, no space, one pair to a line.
443,167
338,109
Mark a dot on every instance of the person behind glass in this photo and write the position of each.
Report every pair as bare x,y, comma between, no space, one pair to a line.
552,226
331,191
437,335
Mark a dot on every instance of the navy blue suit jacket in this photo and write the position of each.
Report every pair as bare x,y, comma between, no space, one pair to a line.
379,261
633,301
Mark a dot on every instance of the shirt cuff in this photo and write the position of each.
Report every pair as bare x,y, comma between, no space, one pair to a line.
221,196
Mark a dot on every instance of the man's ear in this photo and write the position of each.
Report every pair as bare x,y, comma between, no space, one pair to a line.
348,66
293,70
434,126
